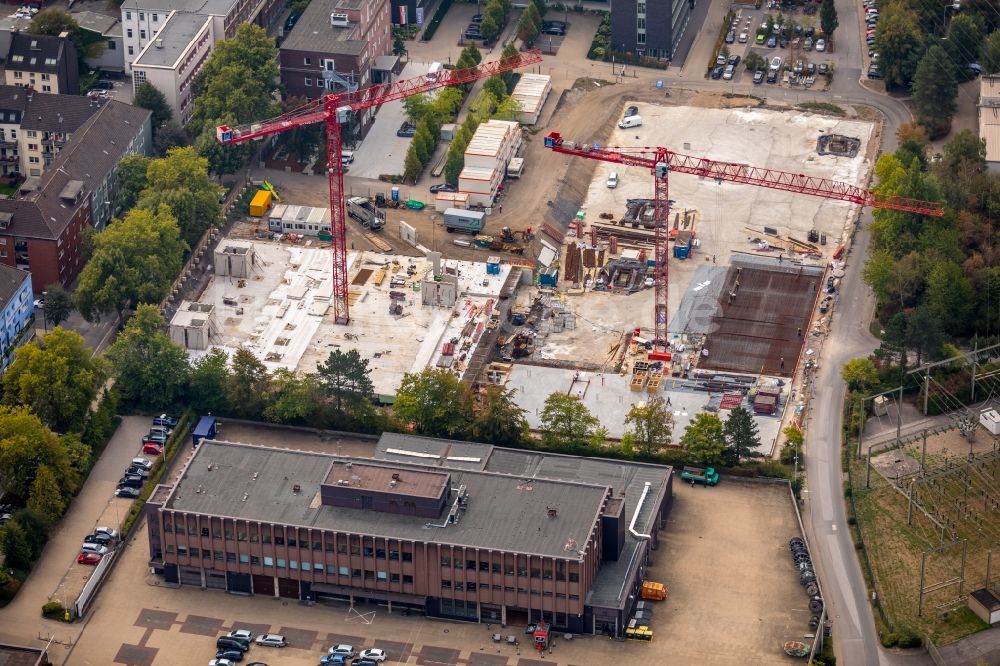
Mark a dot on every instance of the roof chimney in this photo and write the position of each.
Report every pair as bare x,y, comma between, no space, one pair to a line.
159,43
552,512
63,35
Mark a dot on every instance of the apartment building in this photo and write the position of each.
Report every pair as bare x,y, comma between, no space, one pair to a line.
16,308
43,63
454,529
171,61
652,29
334,46
142,20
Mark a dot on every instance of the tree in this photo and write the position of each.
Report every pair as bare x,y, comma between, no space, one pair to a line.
58,304
249,384
416,106
509,109
45,500
422,143
469,57
742,437
935,92
649,425
170,135
52,22
567,424
131,180
152,371
860,375
528,25
135,260
15,545
496,87
704,439
434,402
208,381
57,378
398,45
181,181
25,445
149,97
991,53
345,380
899,41
964,43
828,21
794,435
412,166
540,7
292,398
754,61
950,297
508,52
498,418
489,28
305,141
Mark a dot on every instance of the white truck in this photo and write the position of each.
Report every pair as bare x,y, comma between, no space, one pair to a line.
365,212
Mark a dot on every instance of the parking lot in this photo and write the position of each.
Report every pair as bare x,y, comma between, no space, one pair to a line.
734,598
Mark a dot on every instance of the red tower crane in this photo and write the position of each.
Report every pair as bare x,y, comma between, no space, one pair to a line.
335,109
661,161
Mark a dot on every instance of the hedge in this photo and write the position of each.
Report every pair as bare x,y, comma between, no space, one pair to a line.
436,21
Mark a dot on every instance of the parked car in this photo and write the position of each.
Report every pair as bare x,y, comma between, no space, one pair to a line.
477,18
128,492
734,60
110,531
343,649
374,654
138,471
612,182
443,187
333,660
758,76
811,69
721,59
772,76
232,655
873,73
730,37
406,130
133,480
272,640
142,462
554,24
809,32
230,643
152,448
760,38
99,539
87,557
164,420
160,430
728,73
823,68
744,37
221,662
94,548
631,111
772,42
559,32
157,437
717,72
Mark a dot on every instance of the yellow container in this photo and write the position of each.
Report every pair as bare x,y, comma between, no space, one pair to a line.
260,203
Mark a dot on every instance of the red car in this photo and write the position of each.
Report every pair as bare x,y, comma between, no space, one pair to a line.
88,558
152,449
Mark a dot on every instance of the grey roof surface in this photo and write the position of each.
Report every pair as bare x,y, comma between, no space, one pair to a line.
313,32
176,34
502,512
57,113
99,23
35,49
203,7
450,453
11,280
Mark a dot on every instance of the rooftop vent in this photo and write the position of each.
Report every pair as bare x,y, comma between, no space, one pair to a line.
159,43
296,489
396,477
552,512
338,20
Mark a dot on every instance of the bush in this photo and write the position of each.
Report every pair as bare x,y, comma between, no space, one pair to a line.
54,611
436,21
909,639
890,639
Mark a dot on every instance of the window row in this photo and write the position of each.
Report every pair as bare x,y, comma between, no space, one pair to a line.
293,565
508,569
458,586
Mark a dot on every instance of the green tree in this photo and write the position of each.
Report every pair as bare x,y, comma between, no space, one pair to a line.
45,500
935,92
150,98
345,381
794,435
924,333
496,87
58,304
567,424
469,57
498,418
131,180
510,51
489,28
152,371
416,106
860,375
991,53
305,141
57,378
25,445
754,61
899,41
828,20
540,7
170,135
135,260
704,439
181,181
209,379
435,403
293,397
422,143
528,25
649,425
965,40
950,297
742,437
398,45
52,22
412,166
509,109
15,545
249,386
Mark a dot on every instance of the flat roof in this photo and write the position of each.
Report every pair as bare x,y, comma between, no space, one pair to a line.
379,478
176,35
313,31
989,131
281,486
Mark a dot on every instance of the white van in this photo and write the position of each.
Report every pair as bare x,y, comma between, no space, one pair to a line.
631,121
434,72
346,157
